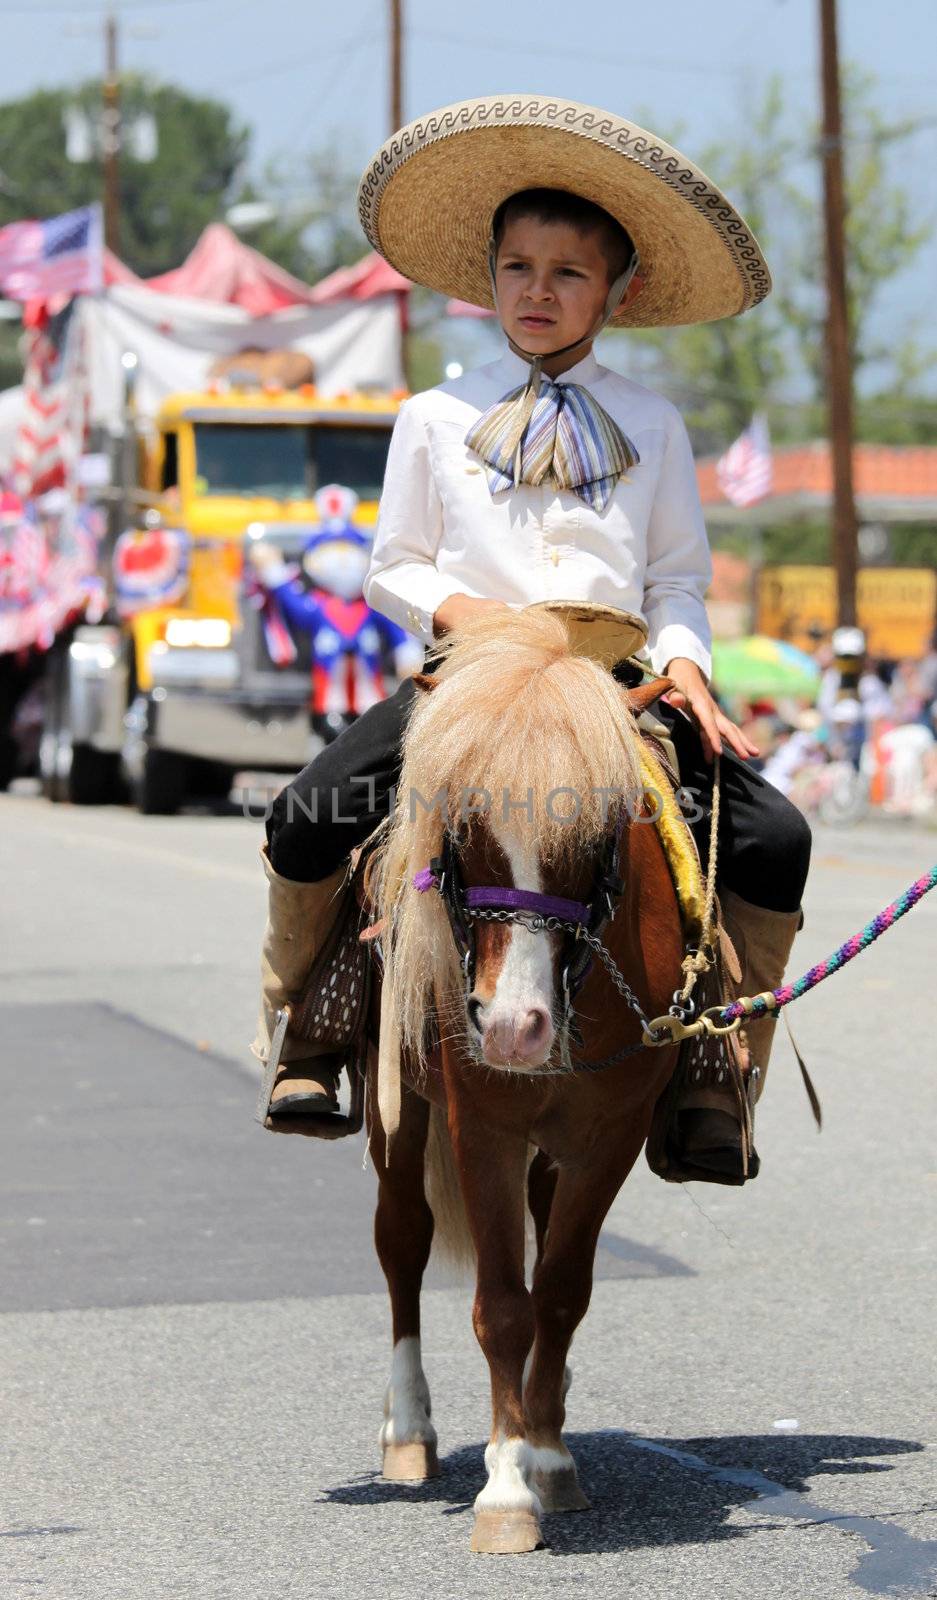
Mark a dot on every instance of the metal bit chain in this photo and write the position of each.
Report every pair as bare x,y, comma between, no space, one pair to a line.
617,977
539,924
529,919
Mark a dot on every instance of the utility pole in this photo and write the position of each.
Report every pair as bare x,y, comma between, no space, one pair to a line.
396,121
110,127
396,65
838,345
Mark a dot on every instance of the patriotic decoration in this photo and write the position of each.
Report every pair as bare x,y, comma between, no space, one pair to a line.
349,642
336,506
47,571
63,256
48,538
151,568
745,473
54,412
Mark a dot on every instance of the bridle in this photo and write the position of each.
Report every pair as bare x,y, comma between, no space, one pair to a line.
582,924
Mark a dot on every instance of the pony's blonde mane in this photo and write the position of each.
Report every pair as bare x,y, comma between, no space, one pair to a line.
512,711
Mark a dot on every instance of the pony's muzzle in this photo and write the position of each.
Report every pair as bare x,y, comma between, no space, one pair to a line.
518,1039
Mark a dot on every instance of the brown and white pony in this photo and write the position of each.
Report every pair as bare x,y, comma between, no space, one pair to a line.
523,746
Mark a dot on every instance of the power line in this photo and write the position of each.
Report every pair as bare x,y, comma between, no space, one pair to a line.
654,63
363,34
308,58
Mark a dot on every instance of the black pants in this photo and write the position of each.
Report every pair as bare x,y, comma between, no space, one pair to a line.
764,842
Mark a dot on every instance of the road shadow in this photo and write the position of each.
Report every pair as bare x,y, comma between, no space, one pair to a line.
648,1493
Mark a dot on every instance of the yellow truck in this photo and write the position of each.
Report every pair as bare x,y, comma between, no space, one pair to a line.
175,690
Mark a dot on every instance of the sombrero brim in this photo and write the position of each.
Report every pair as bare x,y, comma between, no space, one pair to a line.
427,199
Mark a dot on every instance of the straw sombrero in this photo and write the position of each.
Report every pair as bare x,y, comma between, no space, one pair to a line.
603,633
427,199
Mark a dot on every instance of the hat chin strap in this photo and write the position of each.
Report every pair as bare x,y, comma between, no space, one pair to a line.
528,400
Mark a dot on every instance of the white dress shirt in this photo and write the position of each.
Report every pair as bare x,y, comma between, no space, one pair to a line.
442,532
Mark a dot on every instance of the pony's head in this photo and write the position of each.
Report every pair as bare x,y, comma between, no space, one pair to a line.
518,757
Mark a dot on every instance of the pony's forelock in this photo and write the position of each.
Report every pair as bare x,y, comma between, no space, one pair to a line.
545,734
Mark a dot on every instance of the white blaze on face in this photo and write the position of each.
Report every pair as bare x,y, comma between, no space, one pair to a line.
406,1399
517,1024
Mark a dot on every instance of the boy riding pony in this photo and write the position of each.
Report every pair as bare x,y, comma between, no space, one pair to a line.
545,476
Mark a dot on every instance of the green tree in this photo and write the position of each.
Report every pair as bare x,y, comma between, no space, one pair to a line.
884,234
720,373
165,203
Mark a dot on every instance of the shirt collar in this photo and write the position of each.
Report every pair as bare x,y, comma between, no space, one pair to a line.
515,370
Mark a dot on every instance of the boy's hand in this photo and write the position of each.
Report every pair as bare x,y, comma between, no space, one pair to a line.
714,726
457,609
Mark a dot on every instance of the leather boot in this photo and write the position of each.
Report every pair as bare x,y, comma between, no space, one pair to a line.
300,917
712,1129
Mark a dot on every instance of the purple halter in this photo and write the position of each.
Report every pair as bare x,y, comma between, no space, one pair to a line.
547,913
490,897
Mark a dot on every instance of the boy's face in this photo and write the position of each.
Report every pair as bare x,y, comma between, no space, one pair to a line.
552,284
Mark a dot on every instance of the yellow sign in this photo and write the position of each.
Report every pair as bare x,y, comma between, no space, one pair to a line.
897,606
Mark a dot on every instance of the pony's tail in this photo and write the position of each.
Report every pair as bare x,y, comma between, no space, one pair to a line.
451,1237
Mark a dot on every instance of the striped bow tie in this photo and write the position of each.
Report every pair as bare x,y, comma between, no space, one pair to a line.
556,434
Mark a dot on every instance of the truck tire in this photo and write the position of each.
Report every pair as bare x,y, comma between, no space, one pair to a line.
78,773
9,759
209,780
93,776
52,784
162,785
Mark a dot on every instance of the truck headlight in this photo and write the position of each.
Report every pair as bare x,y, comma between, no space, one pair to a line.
206,633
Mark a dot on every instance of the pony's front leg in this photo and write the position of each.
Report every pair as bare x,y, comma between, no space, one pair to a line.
403,1233
492,1169
562,1289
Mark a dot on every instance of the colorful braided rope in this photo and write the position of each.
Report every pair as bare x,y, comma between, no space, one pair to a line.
759,1006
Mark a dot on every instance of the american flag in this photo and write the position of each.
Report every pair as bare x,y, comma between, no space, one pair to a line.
745,473
62,256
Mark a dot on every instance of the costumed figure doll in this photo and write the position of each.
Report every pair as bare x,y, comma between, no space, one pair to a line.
545,476
350,644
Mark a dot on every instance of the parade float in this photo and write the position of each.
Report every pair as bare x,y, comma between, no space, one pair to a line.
220,402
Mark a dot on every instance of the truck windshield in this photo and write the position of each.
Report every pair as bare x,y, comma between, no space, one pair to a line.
289,461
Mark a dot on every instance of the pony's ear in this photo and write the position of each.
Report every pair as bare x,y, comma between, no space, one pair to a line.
424,681
647,693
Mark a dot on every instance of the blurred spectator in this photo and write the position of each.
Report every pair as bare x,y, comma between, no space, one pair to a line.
905,751
907,692
928,673
852,697
804,746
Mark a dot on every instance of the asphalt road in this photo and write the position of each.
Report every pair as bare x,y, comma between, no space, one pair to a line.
194,1338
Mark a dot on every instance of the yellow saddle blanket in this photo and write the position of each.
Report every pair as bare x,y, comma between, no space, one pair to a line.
678,845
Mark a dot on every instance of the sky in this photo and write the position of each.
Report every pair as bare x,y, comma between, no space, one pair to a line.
300,72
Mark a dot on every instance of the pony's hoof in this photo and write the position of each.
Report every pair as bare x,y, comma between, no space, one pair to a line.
410,1463
560,1491
506,1533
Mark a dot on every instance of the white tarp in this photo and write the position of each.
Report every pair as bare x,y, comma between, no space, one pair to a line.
175,341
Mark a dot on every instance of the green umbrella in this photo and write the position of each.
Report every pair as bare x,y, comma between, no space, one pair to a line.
758,668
